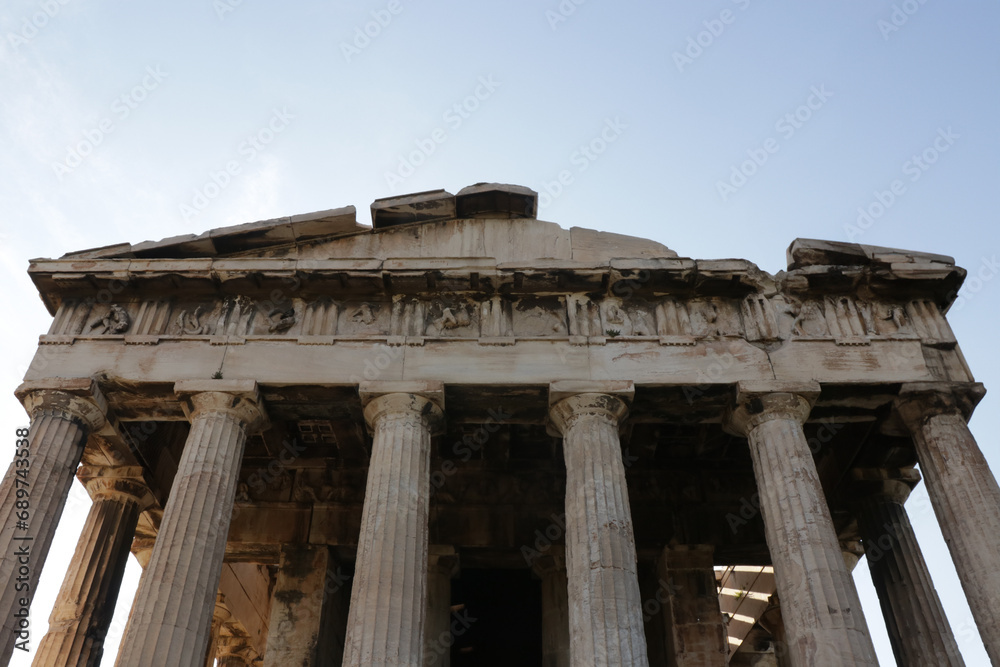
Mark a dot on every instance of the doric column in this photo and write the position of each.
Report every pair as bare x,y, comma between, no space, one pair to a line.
235,651
34,490
442,566
774,624
86,602
385,624
963,492
918,628
695,632
220,615
551,569
295,630
173,609
605,607
824,624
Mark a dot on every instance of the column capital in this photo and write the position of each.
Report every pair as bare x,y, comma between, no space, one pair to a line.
919,400
893,485
237,647
79,397
569,399
444,559
759,401
553,560
423,398
852,551
142,549
240,398
124,483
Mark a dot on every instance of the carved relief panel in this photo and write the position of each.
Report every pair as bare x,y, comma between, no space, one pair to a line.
365,318
539,316
453,317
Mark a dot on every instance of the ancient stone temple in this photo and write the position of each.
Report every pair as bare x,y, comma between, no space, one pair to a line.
463,436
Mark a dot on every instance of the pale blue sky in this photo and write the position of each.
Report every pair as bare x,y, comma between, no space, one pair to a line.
678,129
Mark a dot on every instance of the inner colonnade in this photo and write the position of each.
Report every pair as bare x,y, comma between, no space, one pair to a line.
324,451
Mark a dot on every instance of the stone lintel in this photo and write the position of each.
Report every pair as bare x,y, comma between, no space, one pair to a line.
81,397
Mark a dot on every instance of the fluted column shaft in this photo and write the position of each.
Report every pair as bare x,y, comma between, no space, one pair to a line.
693,626
824,623
34,490
551,568
86,602
385,625
442,565
605,606
172,615
295,628
918,628
220,615
964,494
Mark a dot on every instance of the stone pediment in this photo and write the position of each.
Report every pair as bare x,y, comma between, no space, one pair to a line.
482,221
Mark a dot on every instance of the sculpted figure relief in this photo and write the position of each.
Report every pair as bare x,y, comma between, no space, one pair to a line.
811,322
190,323
115,321
282,319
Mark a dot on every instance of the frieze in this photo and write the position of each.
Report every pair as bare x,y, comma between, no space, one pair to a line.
501,320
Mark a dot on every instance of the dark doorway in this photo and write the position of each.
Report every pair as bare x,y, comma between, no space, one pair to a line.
501,622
